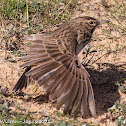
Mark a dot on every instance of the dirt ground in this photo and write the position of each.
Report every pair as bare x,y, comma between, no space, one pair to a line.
103,73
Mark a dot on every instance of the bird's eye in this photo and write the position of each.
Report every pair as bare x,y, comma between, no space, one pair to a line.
91,22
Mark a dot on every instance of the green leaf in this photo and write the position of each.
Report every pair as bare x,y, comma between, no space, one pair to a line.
25,15
117,84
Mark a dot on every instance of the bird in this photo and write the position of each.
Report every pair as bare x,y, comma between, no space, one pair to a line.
52,61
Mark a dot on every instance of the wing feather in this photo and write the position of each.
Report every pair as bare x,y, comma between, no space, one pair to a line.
61,75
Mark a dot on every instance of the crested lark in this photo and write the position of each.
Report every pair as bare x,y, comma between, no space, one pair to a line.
53,63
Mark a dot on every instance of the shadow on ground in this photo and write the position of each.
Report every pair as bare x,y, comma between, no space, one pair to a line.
103,79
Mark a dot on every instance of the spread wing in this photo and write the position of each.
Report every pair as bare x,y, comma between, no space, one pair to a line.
61,75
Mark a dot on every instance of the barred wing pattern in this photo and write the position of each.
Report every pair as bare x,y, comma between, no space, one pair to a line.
61,75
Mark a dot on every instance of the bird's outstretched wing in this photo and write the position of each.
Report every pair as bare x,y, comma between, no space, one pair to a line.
61,75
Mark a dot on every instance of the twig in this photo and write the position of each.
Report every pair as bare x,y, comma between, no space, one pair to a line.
27,12
122,79
90,59
106,54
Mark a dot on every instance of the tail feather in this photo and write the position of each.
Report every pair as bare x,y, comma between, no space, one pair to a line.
22,82
84,100
69,101
91,99
77,101
65,93
76,111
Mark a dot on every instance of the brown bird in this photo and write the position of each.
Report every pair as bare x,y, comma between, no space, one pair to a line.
53,62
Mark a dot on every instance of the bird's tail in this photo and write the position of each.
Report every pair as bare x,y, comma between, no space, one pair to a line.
23,81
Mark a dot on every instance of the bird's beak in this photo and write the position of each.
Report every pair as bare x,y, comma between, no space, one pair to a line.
100,22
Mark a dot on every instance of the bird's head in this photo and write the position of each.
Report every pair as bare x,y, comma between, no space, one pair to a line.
88,24
91,23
